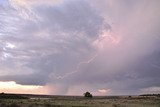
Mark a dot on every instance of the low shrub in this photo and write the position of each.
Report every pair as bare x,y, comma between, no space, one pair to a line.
14,105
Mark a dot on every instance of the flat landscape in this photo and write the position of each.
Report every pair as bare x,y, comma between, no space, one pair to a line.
80,101
79,53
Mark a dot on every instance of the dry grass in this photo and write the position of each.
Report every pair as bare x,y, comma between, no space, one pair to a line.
62,101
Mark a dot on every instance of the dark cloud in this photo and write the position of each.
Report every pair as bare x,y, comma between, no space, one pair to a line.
55,43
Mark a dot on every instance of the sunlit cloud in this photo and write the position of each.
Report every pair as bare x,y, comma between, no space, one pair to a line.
106,38
12,87
9,45
103,91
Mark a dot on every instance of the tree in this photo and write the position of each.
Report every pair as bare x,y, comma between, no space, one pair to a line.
88,95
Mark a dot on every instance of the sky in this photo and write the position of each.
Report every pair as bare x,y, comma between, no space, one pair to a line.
68,47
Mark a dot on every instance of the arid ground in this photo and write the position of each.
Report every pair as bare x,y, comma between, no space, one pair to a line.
80,101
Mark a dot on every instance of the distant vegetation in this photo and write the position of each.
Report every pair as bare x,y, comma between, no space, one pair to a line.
156,95
12,96
88,94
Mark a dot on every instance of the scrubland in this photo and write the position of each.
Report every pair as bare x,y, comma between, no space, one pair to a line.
77,101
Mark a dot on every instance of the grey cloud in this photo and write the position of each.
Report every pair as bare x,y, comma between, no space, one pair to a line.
55,43
61,36
134,64
28,79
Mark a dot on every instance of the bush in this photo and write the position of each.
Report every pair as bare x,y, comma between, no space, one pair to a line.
116,105
31,105
3,105
48,105
14,105
87,94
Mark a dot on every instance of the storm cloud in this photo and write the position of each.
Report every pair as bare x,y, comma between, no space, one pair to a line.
72,46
